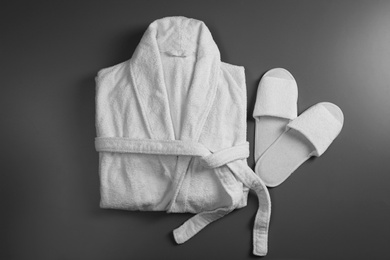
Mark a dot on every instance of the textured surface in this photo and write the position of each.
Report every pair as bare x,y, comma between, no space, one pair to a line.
336,206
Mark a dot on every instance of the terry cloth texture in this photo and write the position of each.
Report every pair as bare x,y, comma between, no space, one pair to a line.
276,105
171,131
310,134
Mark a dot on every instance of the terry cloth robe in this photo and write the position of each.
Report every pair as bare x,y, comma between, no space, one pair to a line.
171,131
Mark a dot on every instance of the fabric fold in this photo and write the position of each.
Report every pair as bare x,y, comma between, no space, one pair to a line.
231,157
171,131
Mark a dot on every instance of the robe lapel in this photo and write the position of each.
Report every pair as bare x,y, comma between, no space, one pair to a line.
147,73
203,87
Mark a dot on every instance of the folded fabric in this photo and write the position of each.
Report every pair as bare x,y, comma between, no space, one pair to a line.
171,131
276,105
310,134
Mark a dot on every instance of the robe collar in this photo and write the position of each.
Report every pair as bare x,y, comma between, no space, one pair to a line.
177,36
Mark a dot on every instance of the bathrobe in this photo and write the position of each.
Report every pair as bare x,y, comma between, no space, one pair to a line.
171,131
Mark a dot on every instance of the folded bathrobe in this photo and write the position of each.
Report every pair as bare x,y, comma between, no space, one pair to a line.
171,131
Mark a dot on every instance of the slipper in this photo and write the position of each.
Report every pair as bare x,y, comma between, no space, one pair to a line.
308,135
276,106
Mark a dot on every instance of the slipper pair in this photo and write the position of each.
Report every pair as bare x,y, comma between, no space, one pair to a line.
284,141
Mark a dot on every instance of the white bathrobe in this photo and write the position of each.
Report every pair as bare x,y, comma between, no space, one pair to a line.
171,131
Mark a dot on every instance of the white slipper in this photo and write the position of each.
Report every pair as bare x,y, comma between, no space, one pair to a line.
276,106
308,135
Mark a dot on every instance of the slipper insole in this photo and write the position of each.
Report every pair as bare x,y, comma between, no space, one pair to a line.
268,129
284,157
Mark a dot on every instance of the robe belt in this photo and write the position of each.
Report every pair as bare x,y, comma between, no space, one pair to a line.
232,157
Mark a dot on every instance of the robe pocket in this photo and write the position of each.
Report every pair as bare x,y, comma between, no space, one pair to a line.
135,181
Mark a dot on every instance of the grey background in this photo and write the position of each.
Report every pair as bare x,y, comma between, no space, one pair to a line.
333,207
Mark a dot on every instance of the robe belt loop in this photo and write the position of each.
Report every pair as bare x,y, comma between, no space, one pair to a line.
231,157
